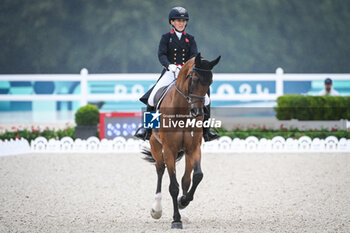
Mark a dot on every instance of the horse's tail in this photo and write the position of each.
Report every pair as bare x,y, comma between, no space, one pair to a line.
149,157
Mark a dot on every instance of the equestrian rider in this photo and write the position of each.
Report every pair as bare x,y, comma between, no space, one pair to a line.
175,49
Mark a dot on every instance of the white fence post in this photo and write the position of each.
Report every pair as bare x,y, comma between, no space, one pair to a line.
83,86
279,81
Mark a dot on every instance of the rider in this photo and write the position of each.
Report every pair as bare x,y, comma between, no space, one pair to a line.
175,49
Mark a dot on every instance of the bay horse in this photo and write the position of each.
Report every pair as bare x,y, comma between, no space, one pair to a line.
186,100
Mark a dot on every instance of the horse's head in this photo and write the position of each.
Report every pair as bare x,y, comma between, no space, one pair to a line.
199,77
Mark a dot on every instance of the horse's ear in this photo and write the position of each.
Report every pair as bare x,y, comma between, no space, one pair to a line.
213,63
197,61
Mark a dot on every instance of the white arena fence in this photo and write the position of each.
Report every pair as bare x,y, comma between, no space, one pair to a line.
222,145
224,93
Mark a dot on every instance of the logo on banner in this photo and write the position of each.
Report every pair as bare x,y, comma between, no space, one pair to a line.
151,120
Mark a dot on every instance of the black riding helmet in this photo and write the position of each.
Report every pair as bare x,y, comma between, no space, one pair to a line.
178,13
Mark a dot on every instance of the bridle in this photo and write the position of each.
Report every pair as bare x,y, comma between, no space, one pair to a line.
189,95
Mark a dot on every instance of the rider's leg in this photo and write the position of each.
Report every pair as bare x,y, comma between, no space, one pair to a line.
207,134
167,78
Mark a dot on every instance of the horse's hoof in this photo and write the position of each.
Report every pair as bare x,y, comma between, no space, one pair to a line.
176,225
179,203
156,214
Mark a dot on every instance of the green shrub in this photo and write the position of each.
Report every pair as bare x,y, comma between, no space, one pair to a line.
31,134
312,107
87,115
283,132
67,132
347,106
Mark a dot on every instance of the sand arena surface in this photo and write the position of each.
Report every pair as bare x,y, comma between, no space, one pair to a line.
114,193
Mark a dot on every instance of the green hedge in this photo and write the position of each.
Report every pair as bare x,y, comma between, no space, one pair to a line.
285,133
313,107
31,134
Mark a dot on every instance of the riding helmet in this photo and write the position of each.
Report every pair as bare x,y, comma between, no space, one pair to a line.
178,13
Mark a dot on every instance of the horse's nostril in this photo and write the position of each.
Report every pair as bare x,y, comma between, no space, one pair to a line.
194,112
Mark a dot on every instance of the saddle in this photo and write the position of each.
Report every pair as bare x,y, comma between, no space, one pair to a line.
160,94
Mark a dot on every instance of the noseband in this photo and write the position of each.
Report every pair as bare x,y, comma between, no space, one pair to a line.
189,95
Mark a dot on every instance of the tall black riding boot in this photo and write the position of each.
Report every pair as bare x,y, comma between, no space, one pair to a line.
142,133
207,135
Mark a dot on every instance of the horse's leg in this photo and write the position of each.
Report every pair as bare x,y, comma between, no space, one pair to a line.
186,181
197,177
156,149
169,158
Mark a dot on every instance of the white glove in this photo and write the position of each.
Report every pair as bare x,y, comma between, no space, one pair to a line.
172,68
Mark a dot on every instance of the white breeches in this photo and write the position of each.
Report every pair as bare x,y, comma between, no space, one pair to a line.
165,80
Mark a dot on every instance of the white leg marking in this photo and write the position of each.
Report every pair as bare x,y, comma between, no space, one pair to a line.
156,211
184,216
157,204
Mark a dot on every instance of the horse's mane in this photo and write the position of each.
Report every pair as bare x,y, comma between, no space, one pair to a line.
185,70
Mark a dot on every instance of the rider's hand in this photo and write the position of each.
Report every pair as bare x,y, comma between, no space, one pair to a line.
172,68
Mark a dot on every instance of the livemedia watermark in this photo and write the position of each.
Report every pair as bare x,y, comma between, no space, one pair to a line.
158,120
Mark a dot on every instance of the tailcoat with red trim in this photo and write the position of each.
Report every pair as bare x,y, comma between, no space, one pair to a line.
173,50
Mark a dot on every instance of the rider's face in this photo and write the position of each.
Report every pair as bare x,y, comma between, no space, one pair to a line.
179,24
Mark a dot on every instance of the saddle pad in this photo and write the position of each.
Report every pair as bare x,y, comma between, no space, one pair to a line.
160,94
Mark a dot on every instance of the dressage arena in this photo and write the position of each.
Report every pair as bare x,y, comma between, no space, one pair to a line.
303,192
